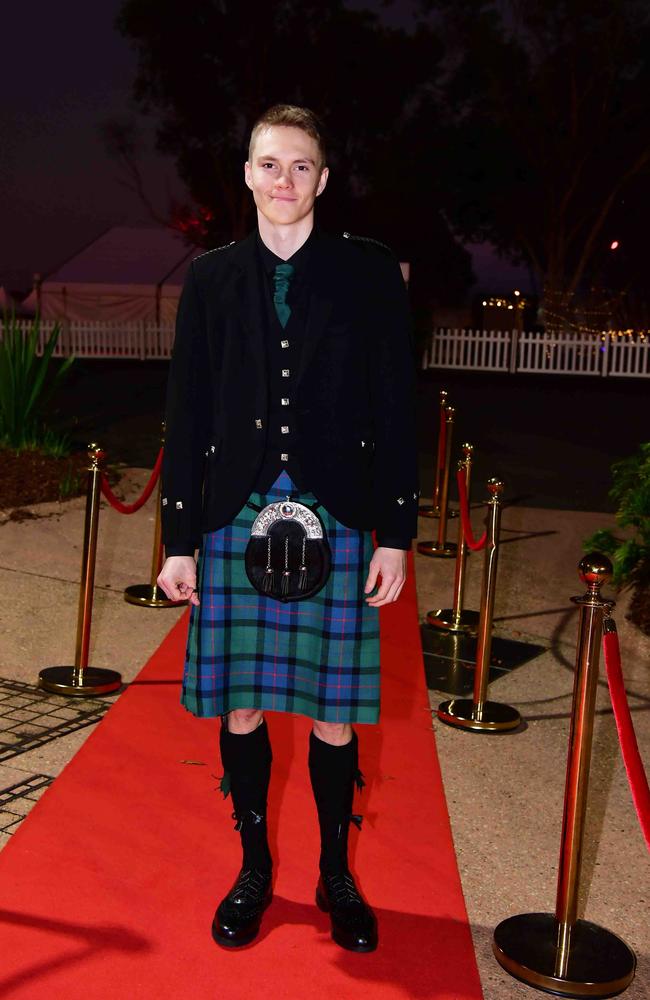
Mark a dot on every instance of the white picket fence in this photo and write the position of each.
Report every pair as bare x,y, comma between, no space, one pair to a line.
99,339
471,350
539,353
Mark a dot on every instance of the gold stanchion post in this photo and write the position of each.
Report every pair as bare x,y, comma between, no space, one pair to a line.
80,679
433,509
456,619
480,715
556,952
149,595
441,548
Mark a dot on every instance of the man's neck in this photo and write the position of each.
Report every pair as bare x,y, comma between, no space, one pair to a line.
284,241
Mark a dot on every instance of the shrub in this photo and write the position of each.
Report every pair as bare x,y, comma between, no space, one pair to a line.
27,383
631,492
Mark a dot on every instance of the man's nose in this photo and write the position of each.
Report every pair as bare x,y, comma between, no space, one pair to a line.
284,180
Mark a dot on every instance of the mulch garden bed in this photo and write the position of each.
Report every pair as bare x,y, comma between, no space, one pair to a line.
28,477
639,612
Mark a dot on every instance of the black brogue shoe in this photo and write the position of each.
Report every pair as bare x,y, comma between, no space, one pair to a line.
354,925
239,915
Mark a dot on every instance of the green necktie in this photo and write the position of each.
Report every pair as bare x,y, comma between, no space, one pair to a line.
281,278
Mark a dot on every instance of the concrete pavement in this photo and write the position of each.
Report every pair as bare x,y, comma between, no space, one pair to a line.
504,792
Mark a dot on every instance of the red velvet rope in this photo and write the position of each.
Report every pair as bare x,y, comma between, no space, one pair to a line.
130,508
627,738
470,541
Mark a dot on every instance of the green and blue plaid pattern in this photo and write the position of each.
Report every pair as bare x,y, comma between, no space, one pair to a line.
318,657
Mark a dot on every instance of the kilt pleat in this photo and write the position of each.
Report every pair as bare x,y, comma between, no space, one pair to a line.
318,657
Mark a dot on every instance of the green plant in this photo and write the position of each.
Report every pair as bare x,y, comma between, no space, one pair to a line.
25,388
631,491
54,443
70,483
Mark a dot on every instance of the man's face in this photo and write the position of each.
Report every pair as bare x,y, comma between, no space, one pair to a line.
284,174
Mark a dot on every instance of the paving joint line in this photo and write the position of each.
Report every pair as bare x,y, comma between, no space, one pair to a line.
59,579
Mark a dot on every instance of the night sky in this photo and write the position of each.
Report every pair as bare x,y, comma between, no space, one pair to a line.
64,70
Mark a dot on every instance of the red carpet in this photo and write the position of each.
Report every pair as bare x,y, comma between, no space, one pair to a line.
109,887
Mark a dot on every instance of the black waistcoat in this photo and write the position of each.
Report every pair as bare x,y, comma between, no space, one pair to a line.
283,347
283,354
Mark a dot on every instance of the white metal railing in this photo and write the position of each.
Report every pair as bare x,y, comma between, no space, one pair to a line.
539,352
100,339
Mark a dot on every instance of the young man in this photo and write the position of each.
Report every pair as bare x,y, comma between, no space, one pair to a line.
291,377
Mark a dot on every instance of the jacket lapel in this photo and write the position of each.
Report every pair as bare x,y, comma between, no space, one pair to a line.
245,299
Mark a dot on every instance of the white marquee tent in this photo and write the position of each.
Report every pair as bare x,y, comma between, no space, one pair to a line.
129,273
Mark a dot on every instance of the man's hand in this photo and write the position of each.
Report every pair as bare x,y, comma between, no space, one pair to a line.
390,565
178,579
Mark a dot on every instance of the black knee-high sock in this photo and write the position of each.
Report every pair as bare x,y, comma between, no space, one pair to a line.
333,771
246,761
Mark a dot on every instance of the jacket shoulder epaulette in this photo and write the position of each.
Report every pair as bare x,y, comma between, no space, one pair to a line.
369,241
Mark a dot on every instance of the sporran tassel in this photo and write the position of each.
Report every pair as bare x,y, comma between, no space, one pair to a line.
286,574
302,579
267,579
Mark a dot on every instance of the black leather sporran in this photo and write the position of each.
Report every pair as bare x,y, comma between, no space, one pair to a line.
288,556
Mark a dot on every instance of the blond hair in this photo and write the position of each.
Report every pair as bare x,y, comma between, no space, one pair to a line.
291,116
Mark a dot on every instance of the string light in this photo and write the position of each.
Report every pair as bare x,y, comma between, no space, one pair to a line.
594,320
498,303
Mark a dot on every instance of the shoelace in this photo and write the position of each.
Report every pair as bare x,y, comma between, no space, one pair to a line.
249,883
249,815
343,889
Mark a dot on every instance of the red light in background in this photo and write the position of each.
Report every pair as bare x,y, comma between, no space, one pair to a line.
613,245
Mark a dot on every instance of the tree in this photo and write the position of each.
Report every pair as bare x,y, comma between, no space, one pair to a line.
208,68
551,139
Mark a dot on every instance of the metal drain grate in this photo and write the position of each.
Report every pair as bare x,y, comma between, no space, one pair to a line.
30,718
17,800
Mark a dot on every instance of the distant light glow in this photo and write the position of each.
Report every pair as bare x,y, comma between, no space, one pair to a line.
613,245
517,292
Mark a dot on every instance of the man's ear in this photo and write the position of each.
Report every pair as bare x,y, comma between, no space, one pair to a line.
247,175
323,180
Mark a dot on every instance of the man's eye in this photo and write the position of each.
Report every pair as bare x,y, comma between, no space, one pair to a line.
302,166
268,164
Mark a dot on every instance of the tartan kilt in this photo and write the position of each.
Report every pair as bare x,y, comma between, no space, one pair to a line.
317,657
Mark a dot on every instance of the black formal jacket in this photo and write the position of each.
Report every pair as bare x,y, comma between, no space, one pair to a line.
354,394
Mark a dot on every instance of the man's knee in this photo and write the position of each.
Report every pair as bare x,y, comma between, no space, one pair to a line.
336,733
244,720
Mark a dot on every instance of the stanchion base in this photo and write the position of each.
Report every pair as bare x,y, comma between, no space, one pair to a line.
81,684
445,620
446,551
428,510
149,597
600,963
495,717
